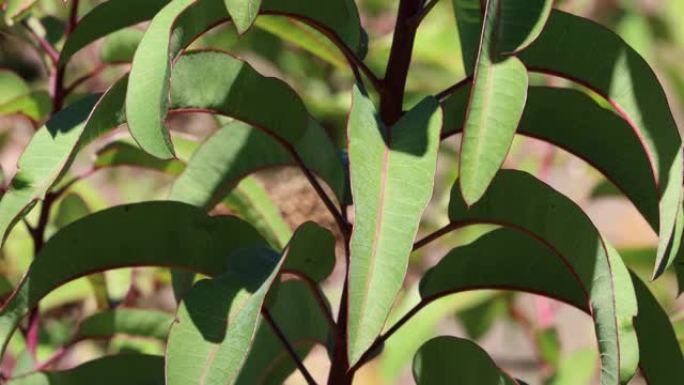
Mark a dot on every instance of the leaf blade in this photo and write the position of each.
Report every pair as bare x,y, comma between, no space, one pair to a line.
385,227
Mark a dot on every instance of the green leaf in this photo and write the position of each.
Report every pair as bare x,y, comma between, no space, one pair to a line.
14,9
12,86
392,181
576,368
127,321
460,361
250,201
120,46
304,36
479,319
311,252
17,97
243,13
628,83
521,23
299,317
121,153
511,259
237,149
71,208
53,148
106,18
661,361
217,320
131,369
497,101
518,200
175,26
572,121
164,234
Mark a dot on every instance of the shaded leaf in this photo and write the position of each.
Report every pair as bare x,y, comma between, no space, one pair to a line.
628,83
299,317
570,120
460,361
392,179
250,201
132,369
311,252
518,200
217,320
164,234
496,104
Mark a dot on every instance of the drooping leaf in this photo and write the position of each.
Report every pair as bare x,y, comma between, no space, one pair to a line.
496,104
121,153
164,234
392,173
243,13
458,360
299,317
661,361
217,320
510,259
570,120
132,369
175,26
518,200
127,321
311,252
628,83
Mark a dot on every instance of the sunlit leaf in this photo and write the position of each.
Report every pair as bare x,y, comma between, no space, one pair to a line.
217,320
494,110
392,178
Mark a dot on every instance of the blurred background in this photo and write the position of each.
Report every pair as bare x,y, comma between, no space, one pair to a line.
539,340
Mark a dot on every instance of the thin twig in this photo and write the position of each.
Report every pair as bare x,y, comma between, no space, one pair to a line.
286,344
426,10
48,49
318,296
447,92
